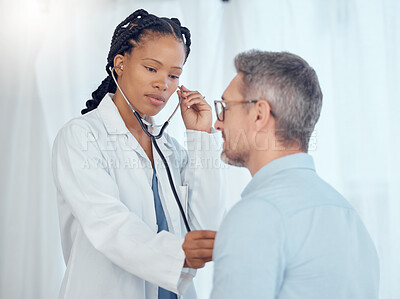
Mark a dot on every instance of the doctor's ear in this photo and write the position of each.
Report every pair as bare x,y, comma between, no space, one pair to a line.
118,64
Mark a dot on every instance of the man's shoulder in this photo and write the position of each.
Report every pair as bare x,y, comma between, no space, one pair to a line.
290,194
250,212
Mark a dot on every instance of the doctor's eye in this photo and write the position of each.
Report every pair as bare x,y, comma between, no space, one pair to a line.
150,69
174,77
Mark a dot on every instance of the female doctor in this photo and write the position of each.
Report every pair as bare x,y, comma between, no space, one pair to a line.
121,228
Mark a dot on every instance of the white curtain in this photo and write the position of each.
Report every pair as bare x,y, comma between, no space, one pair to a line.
53,55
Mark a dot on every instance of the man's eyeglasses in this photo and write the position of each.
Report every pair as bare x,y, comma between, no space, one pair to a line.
220,107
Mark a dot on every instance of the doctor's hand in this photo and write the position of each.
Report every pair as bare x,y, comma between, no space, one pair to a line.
198,117
198,247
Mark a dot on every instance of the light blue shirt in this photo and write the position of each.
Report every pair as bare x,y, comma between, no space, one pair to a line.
293,236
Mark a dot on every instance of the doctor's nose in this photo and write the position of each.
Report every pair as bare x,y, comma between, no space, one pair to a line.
161,84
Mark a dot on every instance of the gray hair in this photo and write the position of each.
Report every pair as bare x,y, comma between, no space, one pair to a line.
290,86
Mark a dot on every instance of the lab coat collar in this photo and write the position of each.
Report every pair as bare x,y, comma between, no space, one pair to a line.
110,115
114,124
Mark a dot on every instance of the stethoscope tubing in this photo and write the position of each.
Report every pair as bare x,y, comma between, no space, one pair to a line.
171,182
153,140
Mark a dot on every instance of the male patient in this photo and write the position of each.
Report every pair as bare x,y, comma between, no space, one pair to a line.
292,235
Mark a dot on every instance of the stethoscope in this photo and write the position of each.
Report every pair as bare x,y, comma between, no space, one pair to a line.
144,124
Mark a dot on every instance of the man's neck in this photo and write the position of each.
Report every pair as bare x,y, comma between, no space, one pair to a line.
259,159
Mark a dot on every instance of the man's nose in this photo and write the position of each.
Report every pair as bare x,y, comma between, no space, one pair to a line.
219,125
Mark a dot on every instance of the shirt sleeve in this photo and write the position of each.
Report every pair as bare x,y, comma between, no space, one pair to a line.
93,197
202,172
249,252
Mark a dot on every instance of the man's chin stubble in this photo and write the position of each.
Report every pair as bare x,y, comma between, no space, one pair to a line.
234,161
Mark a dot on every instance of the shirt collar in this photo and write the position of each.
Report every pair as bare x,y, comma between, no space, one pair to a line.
115,124
294,161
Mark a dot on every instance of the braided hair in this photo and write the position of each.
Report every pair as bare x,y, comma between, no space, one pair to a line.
131,29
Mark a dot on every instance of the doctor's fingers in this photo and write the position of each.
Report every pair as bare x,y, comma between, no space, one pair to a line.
195,264
184,95
191,95
186,90
200,104
198,263
203,254
201,234
198,259
195,98
198,244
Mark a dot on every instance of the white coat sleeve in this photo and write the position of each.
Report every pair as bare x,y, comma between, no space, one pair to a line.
203,175
109,225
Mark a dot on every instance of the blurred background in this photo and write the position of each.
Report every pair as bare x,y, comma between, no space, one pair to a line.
53,55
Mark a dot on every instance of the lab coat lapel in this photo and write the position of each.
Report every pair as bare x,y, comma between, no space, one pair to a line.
115,124
109,113
171,208
134,144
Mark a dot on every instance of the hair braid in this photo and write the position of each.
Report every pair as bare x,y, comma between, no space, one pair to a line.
107,85
122,44
131,29
188,41
136,15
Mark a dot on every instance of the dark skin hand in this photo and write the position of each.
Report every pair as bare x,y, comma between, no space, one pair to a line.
198,247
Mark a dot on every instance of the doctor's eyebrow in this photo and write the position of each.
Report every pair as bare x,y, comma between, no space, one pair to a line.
160,63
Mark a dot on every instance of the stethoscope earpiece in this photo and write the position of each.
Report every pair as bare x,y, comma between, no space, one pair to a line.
116,67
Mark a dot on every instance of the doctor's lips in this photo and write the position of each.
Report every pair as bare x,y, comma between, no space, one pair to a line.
156,99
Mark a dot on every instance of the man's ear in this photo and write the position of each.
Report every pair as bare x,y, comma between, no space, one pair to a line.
263,114
119,63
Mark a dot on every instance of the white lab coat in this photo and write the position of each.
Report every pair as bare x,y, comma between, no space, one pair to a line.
106,207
